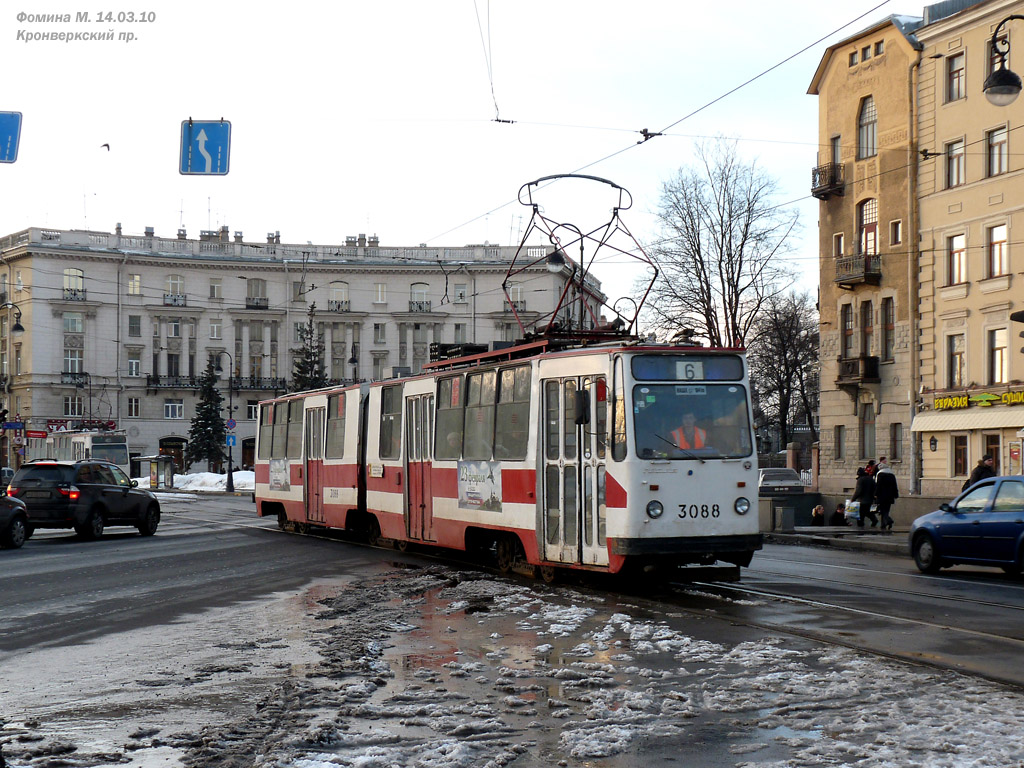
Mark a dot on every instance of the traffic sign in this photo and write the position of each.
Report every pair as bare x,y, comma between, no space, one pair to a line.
231,424
10,136
14,425
230,441
205,147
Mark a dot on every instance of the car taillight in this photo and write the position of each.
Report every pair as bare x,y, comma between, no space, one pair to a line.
12,491
70,491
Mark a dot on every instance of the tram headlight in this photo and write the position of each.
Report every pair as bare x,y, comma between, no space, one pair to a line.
742,505
655,509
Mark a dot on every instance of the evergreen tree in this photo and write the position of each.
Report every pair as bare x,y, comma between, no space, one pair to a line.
206,434
309,371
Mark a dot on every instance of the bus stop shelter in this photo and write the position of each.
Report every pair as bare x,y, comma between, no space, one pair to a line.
161,470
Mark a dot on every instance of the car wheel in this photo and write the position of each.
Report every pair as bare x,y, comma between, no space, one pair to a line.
926,555
150,520
14,536
92,528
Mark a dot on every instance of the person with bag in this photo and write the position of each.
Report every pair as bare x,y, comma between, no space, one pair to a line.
886,492
864,492
983,471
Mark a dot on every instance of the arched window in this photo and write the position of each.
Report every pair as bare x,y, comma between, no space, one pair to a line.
867,227
867,129
74,284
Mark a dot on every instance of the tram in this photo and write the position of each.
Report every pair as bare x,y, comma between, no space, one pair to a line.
581,447
109,446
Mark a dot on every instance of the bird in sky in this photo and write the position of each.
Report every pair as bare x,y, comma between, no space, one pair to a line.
106,145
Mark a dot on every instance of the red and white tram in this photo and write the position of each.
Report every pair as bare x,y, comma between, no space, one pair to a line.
602,457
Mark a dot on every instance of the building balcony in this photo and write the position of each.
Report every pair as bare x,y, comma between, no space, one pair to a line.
239,383
855,371
519,305
827,180
257,302
175,300
171,382
74,294
854,270
339,305
78,379
419,306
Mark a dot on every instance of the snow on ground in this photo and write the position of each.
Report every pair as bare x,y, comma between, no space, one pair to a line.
441,668
208,482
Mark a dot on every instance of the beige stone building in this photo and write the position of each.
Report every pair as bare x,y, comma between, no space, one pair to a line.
118,327
864,178
971,193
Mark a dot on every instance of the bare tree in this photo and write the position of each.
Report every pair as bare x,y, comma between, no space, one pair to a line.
719,254
783,358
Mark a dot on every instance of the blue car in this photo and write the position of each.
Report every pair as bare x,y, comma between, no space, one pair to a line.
984,525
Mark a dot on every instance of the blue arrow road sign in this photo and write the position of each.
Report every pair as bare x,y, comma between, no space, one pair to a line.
205,147
230,441
10,135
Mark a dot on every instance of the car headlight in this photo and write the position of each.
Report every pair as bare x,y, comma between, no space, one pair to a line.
742,505
655,509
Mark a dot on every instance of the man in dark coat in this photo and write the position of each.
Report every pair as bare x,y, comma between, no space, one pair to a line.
981,472
886,491
864,492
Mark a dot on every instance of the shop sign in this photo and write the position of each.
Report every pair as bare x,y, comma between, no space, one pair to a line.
982,399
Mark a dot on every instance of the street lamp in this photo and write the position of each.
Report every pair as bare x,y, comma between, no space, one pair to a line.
1003,85
231,410
17,329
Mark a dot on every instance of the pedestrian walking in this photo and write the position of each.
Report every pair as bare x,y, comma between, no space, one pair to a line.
864,492
886,491
983,470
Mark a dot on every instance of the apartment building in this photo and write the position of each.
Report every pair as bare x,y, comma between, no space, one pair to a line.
117,327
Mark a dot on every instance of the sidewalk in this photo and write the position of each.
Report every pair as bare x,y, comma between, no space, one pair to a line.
851,537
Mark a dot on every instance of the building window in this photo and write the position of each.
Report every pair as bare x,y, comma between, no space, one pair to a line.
73,361
73,405
297,335
17,360
888,328
175,284
836,145
994,59
993,444
216,288
955,163
846,320
998,356
379,333
74,285
73,322
460,333
997,251
867,129
879,48
378,368
134,363
959,455
839,442
173,364
998,151
134,407
853,59
255,288
956,259
460,293
895,232
837,245
173,327
134,285
339,292
896,441
955,78
215,329
867,430
867,222
956,360
135,325
865,53
380,293
867,327
174,408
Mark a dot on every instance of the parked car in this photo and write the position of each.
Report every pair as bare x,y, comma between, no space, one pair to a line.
984,525
774,481
13,523
84,495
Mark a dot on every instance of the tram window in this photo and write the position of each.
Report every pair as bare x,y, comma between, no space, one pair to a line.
568,421
601,410
280,430
619,413
479,436
390,422
688,367
266,431
551,421
336,426
450,417
295,429
513,423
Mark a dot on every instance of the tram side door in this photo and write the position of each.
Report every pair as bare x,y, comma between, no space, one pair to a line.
312,482
573,523
419,425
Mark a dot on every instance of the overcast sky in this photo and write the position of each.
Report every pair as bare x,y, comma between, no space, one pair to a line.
379,117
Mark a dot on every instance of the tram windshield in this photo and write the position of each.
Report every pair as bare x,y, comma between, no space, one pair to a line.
691,421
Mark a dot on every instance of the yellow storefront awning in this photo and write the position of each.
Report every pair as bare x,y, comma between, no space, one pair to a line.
969,418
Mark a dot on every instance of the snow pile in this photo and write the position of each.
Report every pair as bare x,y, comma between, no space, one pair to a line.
208,482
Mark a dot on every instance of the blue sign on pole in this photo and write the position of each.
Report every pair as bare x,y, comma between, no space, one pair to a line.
230,441
14,425
10,136
205,147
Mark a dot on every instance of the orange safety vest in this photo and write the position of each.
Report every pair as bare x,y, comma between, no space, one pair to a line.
699,436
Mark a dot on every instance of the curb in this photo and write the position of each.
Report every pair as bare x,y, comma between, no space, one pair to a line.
894,544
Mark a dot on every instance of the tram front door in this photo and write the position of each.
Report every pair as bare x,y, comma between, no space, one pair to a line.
575,447
312,480
419,424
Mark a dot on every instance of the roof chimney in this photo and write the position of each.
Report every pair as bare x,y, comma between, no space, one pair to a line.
238,236
224,234
181,234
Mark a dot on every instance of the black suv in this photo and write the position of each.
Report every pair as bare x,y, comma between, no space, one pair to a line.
13,522
84,495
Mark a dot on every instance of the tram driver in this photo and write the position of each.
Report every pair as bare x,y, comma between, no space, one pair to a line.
689,436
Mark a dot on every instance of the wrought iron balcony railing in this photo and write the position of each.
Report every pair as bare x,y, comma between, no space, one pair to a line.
419,306
257,302
858,370
851,270
339,305
827,180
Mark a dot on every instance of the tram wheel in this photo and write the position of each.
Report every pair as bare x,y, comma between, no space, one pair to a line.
505,553
401,545
548,573
373,532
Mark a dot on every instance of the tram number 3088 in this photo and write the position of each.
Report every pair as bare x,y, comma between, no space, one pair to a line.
694,511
